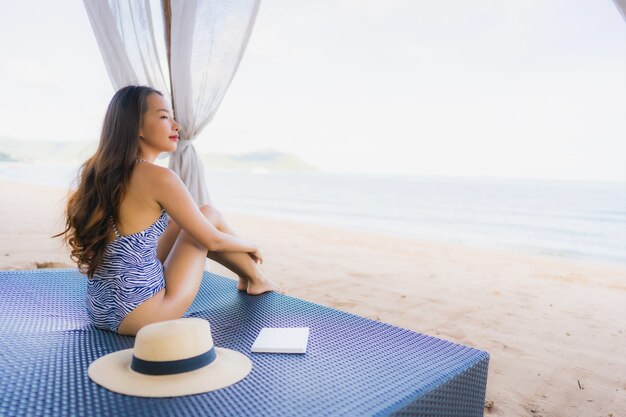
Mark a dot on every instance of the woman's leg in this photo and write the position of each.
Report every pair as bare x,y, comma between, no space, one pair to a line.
183,268
166,242
183,274
251,279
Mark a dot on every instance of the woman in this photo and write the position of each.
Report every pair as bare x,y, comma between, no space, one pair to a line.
143,268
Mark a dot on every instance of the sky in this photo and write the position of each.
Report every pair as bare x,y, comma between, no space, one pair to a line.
482,88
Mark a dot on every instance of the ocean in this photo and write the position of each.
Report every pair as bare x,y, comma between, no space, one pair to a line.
585,220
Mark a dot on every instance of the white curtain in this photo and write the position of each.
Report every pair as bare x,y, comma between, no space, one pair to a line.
125,35
621,6
208,39
208,42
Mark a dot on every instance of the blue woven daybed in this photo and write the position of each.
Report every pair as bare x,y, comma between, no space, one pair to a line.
353,366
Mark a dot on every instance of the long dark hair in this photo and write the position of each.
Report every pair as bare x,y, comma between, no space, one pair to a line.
103,179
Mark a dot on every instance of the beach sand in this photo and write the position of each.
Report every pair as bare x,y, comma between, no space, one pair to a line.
555,328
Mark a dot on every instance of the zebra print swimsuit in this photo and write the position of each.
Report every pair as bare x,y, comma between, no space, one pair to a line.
128,275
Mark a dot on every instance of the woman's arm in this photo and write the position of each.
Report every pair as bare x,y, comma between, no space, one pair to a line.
172,194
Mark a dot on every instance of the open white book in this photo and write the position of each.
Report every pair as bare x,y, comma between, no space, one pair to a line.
281,340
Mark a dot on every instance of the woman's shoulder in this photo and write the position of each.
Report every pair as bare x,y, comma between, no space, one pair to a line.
156,178
155,173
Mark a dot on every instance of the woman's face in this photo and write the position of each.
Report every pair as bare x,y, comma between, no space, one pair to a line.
159,130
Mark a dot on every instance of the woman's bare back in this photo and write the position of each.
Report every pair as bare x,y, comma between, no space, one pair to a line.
138,207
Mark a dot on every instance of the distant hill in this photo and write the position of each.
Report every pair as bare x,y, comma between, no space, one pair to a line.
267,160
5,157
45,151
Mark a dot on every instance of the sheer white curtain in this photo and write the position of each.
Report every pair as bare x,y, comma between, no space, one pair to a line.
125,35
621,6
208,39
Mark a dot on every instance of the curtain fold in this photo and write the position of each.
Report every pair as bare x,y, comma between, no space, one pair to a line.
125,36
621,6
208,40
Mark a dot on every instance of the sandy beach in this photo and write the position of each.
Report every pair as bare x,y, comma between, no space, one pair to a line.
555,328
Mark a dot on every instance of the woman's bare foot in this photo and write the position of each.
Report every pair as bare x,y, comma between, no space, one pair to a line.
242,285
260,286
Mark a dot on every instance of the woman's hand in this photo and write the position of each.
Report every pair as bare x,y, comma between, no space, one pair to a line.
256,256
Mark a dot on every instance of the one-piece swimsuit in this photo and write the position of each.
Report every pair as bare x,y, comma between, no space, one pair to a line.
129,274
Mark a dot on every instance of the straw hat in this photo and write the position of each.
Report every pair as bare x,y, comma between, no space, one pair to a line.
170,359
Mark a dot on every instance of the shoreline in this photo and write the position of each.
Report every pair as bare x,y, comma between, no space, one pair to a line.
548,322
503,249
496,248
502,217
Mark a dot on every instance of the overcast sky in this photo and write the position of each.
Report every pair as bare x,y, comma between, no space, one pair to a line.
497,88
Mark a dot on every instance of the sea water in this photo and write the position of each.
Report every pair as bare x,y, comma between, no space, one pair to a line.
564,218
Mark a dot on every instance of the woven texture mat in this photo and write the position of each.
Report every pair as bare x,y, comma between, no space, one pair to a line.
353,366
